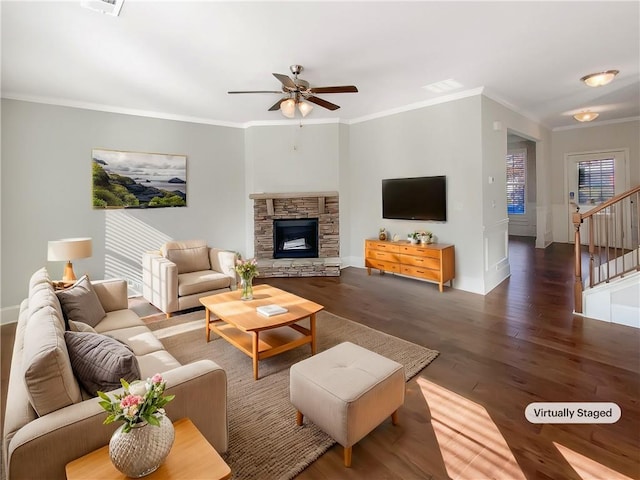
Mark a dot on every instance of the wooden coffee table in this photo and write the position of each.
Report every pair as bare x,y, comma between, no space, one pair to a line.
258,336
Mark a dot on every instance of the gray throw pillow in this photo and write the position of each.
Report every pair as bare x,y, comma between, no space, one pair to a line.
99,362
80,303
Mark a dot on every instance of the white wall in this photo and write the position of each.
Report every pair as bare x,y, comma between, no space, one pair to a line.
46,189
438,140
290,158
586,139
496,121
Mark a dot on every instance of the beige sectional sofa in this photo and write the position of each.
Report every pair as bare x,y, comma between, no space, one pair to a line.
50,419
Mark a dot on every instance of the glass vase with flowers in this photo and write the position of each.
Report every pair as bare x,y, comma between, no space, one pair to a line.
247,270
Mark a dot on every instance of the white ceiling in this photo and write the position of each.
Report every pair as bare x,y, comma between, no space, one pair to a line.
179,59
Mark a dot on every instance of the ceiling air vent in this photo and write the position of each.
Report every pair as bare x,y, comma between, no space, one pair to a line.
108,7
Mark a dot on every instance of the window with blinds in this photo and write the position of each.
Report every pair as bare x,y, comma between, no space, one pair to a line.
595,181
516,178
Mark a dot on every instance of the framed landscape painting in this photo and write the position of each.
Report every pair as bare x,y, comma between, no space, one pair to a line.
138,180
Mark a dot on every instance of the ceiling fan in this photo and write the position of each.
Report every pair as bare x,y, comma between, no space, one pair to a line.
298,93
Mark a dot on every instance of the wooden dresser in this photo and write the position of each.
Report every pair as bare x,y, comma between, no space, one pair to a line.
435,262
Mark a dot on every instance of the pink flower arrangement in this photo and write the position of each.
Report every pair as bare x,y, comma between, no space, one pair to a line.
140,402
246,268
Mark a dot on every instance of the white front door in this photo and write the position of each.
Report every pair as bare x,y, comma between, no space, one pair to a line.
593,178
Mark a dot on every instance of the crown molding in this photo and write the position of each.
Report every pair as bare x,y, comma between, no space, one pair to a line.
113,109
415,106
597,124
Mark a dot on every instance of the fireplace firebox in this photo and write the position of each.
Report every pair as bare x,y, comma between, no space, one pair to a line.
295,238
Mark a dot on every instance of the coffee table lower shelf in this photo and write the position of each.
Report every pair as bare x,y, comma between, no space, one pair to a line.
259,345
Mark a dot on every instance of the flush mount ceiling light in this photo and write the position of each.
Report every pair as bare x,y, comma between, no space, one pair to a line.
586,116
599,79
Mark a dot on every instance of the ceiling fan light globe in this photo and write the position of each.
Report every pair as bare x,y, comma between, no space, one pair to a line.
288,108
305,108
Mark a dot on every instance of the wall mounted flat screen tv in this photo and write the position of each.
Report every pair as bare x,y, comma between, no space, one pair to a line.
418,198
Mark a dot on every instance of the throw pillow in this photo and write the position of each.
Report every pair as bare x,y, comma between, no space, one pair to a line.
99,362
80,303
80,327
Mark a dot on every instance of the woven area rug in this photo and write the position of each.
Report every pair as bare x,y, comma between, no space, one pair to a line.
264,441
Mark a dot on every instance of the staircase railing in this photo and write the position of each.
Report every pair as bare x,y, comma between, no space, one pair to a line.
613,233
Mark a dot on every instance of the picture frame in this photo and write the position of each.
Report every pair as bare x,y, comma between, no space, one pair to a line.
122,179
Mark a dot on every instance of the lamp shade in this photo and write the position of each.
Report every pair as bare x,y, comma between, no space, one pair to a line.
69,249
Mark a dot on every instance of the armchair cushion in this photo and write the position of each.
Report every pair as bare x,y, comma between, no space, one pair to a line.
198,282
189,256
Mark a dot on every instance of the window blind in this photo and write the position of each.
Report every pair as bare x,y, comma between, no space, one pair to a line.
595,181
516,170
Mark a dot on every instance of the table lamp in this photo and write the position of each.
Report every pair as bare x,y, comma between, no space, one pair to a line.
68,249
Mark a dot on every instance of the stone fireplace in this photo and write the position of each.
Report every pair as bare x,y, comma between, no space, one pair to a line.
310,247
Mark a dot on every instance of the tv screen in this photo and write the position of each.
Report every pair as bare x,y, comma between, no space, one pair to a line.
419,198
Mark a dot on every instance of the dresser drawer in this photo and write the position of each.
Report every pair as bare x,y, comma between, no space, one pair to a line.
421,272
382,246
385,256
382,265
420,251
426,262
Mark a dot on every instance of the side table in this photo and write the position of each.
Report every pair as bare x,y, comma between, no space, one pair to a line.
189,444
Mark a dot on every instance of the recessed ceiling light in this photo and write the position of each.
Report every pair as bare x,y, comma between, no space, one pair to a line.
586,116
599,79
443,86
108,7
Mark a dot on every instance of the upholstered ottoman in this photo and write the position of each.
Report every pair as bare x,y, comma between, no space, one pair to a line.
347,391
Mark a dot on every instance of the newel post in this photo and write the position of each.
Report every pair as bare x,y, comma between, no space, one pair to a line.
577,286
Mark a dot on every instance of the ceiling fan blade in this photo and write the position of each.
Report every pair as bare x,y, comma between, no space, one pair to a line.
286,81
276,106
340,89
322,103
258,91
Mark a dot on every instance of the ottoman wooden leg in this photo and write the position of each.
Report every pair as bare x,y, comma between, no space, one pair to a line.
394,417
347,456
299,417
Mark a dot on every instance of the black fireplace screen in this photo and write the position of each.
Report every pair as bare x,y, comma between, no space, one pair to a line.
295,238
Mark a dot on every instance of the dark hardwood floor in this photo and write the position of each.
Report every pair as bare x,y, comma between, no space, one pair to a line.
464,414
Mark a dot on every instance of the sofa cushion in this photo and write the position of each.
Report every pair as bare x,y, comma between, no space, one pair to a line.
139,339
80,303
99,362
119,319
202,281
80,327
48,375
189,255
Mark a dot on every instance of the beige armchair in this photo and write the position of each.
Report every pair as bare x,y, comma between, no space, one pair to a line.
180,273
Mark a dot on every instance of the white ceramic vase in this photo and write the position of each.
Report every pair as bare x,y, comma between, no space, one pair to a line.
143,449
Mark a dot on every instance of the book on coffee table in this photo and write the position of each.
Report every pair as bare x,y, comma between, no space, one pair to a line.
270,310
